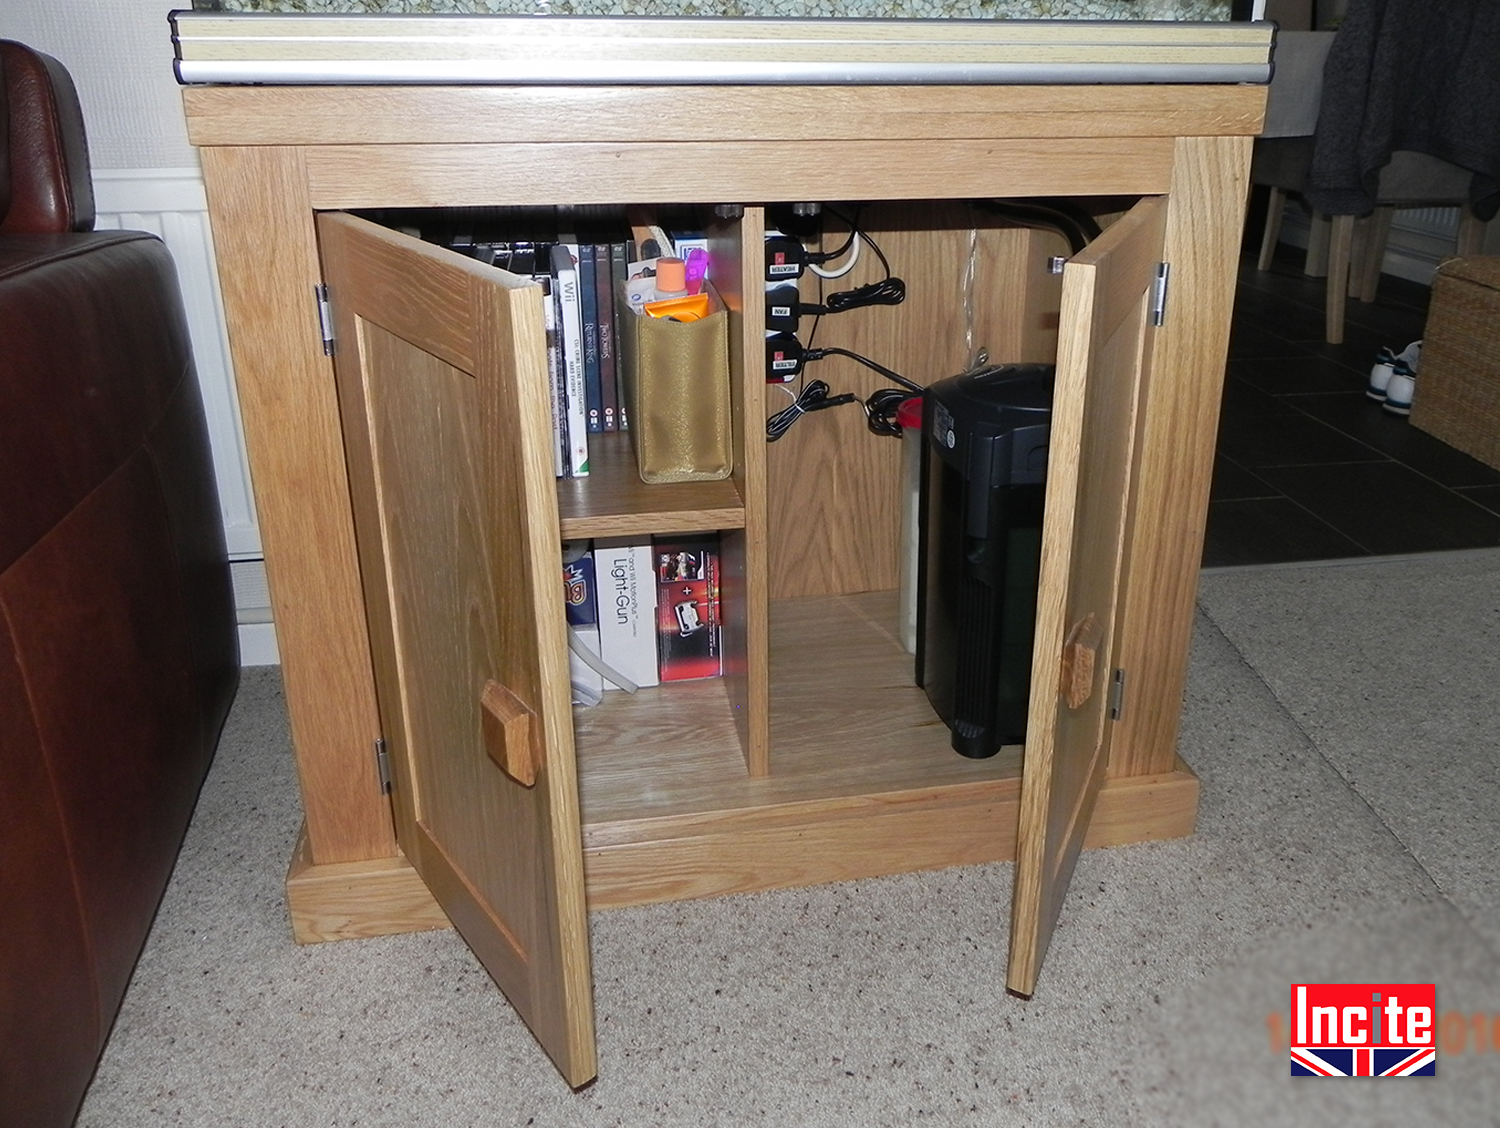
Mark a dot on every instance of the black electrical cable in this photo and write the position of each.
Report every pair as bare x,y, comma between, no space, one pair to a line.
829,256
889,291
856,229
889,374
881,409
814,397
1064,216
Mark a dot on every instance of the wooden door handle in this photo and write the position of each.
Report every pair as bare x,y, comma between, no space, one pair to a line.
508,735
1079,656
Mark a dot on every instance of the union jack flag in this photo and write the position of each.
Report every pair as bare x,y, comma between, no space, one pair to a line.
1324,1062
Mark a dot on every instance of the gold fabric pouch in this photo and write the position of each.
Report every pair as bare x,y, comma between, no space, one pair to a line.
677,394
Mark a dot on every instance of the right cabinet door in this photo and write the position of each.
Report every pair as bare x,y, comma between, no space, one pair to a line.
1104,352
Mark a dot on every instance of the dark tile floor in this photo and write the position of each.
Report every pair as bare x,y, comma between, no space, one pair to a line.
1308,468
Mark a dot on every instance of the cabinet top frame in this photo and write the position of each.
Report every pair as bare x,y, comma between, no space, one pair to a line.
454,146
551,115
412,49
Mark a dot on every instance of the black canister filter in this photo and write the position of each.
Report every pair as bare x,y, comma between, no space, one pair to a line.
979,553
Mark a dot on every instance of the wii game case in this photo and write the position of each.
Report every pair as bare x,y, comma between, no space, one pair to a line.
555,376
565,270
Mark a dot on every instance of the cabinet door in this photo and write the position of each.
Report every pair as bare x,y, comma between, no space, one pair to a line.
1104,350
441,366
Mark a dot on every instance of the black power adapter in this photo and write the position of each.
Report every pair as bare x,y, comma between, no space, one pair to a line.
785,356
783,308
785,258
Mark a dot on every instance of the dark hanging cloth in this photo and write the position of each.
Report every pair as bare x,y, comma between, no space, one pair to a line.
1409,74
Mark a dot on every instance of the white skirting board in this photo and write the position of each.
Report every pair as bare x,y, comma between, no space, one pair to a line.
252,603
258,645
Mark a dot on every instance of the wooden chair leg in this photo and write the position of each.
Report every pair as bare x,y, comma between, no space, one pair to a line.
1470,233
1340,242
1357,247
1275,207
1316,265
1364,282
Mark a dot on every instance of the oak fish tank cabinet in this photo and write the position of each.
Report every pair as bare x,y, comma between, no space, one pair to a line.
412,525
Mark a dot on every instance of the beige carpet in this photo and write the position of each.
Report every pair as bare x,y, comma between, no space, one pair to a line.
1343,720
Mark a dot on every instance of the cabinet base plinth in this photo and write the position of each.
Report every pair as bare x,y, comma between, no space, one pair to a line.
748,851
709,855
354,900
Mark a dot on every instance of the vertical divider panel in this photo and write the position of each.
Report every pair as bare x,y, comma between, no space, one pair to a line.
736,253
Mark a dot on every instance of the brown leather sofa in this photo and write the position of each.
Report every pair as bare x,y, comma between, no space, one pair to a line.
118,650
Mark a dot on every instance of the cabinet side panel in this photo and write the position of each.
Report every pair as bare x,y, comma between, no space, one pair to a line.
268,264
1205,216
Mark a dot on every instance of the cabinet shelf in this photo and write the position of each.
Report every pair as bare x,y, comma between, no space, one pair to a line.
863,784
613,501
857,746
845,719
668,812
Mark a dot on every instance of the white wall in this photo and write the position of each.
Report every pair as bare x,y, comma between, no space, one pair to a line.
120,55
146,178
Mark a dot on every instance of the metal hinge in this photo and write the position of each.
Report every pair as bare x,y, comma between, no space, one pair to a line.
325,317
1117,695
1159,293
383,765
1055,264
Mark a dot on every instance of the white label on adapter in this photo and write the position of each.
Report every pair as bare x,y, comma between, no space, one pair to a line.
781,311
777,268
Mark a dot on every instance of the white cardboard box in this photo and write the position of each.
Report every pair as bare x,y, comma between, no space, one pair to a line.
627,609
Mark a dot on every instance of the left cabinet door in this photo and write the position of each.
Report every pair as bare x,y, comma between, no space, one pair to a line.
443,391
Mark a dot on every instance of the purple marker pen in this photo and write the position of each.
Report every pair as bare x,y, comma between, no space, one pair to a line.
695,270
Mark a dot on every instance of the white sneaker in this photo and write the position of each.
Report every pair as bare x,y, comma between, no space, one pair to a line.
1400,389
1385,365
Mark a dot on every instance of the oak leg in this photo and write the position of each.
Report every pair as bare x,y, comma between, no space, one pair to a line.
1179,413
268,265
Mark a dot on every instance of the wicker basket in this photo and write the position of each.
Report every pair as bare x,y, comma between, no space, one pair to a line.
1458,386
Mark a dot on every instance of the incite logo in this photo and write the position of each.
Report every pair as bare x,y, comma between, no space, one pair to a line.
1363,1030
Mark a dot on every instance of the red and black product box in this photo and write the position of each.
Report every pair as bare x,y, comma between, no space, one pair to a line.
689,634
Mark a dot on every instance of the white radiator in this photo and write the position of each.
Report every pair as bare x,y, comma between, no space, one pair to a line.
1420,239
170,203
